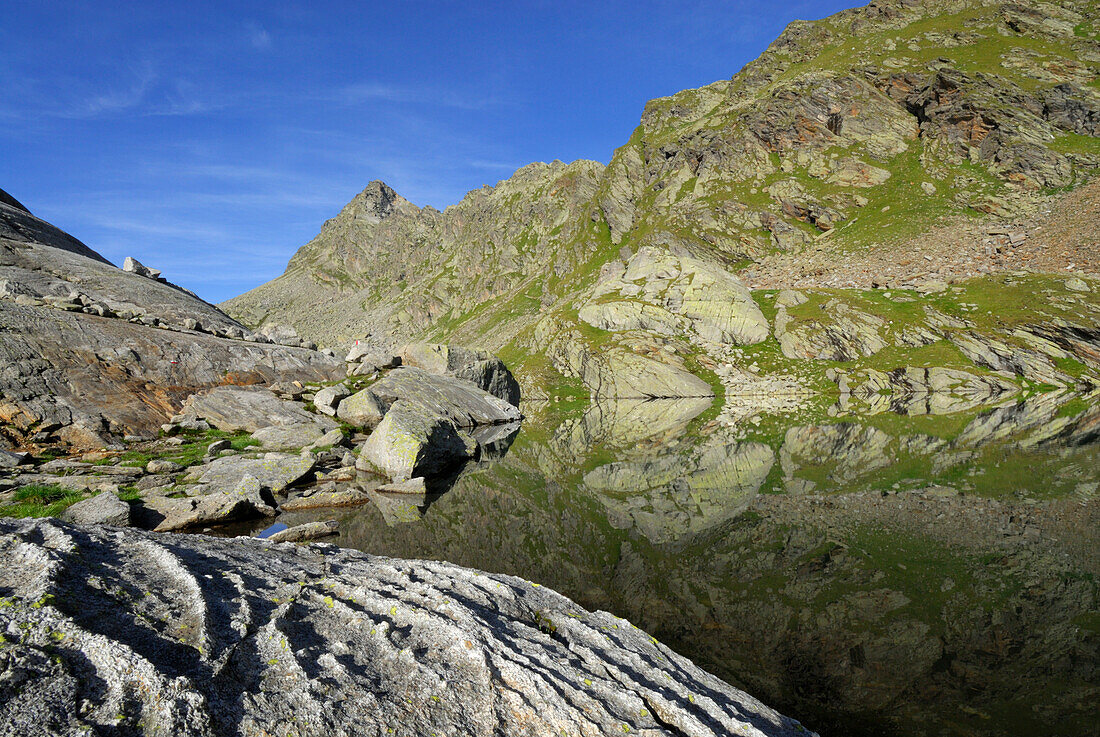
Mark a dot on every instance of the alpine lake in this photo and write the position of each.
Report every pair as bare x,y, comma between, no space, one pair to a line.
914,569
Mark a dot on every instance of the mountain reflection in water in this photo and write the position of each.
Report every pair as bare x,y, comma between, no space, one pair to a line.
870,574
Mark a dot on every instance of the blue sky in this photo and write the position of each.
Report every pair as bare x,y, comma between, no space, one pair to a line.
211,140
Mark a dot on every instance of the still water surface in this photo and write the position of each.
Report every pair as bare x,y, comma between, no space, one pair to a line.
868,574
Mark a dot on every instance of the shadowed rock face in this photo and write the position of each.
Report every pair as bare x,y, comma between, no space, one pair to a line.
120,630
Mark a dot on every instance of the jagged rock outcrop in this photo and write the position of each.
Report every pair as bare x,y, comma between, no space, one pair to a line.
418,267
112,629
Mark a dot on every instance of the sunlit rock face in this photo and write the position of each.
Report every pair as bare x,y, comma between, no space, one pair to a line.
92,352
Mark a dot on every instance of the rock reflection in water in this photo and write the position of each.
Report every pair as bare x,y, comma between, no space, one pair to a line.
401,508
871,574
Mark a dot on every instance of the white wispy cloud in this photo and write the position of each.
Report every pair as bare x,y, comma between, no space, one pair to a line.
362,92
117,100
258,37
138,90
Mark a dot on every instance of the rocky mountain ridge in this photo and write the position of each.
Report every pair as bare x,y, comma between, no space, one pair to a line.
849,138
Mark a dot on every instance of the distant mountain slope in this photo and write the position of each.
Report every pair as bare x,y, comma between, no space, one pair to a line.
386,267
848,139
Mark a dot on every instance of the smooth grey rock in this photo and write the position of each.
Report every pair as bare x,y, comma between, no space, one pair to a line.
410,442
133,266
478,367
279,333
615,372
331,439
362,409
275,472
157,466
127,472
367,353
248,636
327,399
457,400
236,409
289,437
151,482
841,333
349,497
412,486
790,298
10,459
424,430
400,509
65,465
244,501
1077,284
102,509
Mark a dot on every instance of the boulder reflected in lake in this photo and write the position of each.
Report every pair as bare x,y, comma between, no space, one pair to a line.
869,573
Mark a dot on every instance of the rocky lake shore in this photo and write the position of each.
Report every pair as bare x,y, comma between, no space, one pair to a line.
804,383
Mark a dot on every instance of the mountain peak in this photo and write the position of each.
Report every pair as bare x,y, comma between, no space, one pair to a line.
376,202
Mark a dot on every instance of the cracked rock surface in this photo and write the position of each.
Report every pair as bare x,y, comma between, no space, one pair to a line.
120,631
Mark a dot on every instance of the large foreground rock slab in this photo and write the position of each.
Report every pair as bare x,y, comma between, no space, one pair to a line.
187,636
